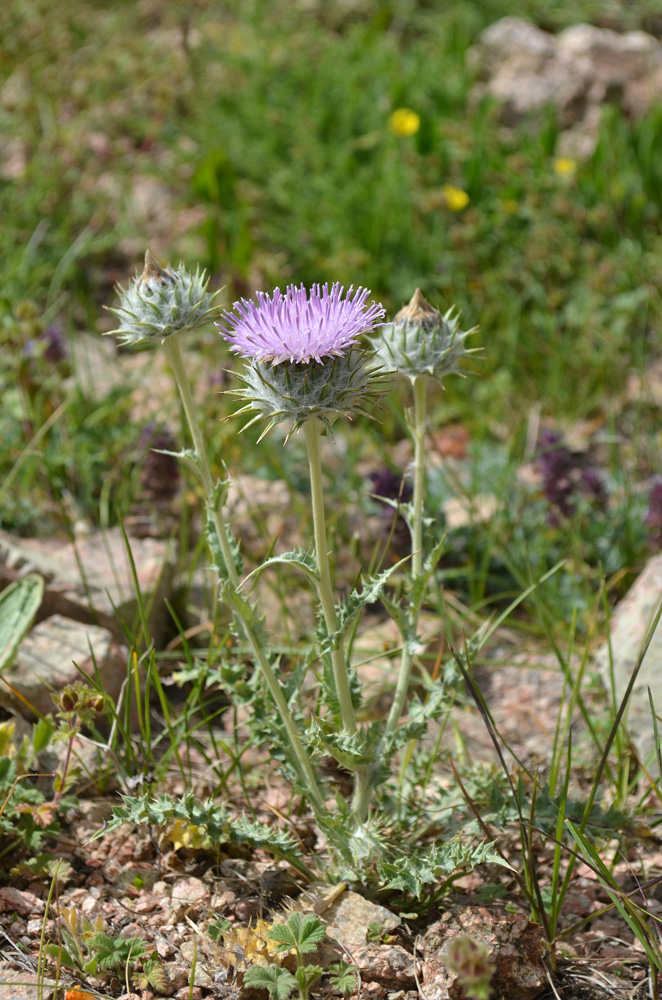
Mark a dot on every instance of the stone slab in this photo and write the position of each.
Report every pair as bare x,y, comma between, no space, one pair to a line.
629,625
91,580
52,655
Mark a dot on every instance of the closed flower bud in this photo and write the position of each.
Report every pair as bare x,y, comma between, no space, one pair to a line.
162,301
68,700
420,341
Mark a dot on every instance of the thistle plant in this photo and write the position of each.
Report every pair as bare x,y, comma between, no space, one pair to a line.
305,365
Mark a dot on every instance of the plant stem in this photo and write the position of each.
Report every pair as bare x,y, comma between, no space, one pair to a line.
313,431
305,767
362,796
418,433
174,353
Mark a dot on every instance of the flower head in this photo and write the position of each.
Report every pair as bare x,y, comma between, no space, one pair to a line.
403,122
299,327
564,166
302,356
420,341
455,197
162,301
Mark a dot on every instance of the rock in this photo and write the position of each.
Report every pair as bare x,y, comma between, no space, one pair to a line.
348,921
387,964
188,892
527,69
629,625
91,580
52,655
26,904
20,984
514,946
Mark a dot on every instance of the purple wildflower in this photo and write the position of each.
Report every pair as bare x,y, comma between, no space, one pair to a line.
566,476
298,326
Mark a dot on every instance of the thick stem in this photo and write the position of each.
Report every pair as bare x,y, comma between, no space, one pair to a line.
306,772
418,432
174,353
313,431
305,767
362,796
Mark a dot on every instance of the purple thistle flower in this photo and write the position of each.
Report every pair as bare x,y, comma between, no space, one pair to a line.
299,327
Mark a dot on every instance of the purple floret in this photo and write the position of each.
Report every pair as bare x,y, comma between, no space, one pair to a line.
299,326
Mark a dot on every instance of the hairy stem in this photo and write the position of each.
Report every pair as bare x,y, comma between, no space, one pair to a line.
417,427
304,766
418,433
313,431
306,773
174,353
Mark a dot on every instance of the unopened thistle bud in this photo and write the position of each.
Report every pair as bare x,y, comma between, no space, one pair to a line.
420,341
302,352
162,301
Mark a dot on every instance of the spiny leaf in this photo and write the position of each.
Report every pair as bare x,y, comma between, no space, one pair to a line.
303,560
411,873
370,592
220,825
352,750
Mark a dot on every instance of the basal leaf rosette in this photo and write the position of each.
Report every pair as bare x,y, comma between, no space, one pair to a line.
422,341
302,352
163,301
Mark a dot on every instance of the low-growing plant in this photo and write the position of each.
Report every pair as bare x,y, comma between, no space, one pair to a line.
301,934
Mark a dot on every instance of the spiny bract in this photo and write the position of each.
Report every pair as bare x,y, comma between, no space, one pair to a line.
296,392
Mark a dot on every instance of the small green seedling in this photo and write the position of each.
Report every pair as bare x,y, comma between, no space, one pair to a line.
301,934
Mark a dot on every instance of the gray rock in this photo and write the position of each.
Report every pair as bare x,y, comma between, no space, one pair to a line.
91,580
387,964
527,69
22,984
513,944
348,920
57,652
629,625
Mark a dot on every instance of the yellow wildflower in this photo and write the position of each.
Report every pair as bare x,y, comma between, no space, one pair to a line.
564,166
404,121
455,197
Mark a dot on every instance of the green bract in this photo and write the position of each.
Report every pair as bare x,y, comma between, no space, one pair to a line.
297,392
160,302
420,341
